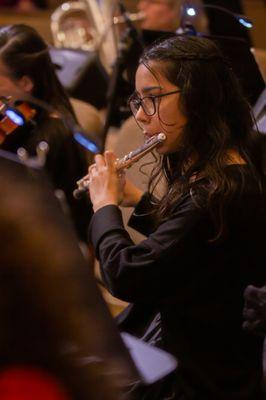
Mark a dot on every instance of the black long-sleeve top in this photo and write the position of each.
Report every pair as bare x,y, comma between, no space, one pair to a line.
196,285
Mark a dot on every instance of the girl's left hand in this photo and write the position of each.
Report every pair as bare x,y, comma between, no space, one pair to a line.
106,184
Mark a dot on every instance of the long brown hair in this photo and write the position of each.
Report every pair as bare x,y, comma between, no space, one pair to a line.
24,52
219,119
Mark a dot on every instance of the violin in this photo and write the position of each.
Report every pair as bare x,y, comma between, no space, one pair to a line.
11,117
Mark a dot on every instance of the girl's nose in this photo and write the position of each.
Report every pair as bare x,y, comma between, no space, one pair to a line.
141,116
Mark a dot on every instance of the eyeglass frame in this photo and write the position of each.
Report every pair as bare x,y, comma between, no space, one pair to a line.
153,97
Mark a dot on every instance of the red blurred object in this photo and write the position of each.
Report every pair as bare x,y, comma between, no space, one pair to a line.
23,383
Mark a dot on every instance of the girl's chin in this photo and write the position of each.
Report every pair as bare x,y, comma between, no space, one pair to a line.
161,150
164,150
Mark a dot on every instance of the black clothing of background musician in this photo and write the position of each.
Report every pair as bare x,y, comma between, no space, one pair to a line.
206,231
65,164
254,313
26,68
255,310
224,24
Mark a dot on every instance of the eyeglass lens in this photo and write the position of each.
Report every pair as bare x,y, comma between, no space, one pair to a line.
147,104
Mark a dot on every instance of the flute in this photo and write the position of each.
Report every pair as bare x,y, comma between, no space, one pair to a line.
123,163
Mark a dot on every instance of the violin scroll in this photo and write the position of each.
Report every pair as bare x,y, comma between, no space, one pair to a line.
11,117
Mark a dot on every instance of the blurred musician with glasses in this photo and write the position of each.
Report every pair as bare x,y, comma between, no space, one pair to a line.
24,5
165,15
161,15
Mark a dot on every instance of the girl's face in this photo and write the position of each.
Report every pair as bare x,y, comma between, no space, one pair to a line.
13,87
168,117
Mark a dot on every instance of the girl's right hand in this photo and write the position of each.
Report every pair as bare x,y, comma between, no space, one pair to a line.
131,194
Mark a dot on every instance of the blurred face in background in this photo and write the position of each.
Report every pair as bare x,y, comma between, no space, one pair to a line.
10,86
161,15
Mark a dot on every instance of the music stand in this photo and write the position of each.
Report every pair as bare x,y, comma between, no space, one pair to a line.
82,74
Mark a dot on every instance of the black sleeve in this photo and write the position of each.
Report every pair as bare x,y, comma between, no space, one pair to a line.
156,266
143,219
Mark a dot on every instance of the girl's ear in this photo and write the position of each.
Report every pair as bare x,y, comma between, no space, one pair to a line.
26,84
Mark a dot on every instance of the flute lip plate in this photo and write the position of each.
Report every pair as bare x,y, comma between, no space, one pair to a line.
161,136
158,136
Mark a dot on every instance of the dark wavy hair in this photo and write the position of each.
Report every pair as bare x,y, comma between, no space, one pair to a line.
24,52
219,119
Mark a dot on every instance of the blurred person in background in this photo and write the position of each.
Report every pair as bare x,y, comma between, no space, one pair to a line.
26,68
24,5
165,15
162,15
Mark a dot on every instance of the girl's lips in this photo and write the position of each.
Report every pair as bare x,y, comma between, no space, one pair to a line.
148,135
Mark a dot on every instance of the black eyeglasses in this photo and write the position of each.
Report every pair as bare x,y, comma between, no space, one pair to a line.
147,103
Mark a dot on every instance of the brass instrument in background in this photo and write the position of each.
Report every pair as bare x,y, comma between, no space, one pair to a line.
72,26
88,25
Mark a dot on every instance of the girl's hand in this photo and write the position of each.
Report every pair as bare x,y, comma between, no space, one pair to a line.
106,184
132,194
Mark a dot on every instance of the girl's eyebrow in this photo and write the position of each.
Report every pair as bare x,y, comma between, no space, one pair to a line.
148,89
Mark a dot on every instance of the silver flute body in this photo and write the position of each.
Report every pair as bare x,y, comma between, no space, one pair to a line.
124,162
